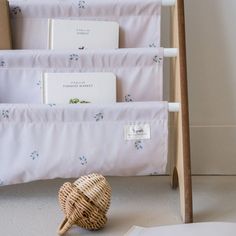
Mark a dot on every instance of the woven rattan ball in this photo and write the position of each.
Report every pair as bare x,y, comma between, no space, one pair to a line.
85,203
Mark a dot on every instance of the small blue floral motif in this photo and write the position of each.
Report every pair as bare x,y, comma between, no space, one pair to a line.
83,160
99,116
128,98
152,45
16,10
1,182
74,57
39,83
82,4
138,144
157,59
52,104
5,114
34,155
2,63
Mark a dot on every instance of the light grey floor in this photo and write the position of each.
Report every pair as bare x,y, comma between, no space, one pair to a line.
32,209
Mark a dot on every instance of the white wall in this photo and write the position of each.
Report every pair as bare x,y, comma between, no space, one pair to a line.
211,55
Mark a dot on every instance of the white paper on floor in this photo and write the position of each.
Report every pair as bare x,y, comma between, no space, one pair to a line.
203,229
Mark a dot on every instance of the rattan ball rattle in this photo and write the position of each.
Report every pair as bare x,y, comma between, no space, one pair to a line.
85,203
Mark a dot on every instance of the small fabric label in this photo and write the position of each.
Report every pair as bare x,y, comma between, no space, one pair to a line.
137,131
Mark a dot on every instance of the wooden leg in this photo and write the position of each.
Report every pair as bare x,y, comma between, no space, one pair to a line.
181,170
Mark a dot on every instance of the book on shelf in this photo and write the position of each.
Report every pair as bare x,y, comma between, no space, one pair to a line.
82,34
73,88
5,29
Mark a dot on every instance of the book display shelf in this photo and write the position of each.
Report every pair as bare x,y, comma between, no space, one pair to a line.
127,138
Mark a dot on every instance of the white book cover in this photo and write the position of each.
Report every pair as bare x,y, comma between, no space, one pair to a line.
69,88
82,34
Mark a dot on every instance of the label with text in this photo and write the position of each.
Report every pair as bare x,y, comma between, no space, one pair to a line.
137,131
